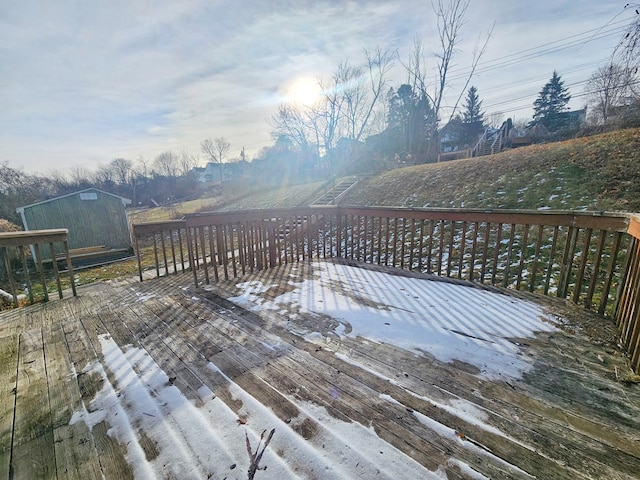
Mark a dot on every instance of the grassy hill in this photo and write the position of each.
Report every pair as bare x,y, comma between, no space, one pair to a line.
597,173
593,173
601,172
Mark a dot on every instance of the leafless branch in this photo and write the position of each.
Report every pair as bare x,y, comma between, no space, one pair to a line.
255,457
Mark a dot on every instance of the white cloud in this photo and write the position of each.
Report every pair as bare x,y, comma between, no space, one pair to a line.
83,83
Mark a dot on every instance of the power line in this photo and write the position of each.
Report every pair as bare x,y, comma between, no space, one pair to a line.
612,27
542,50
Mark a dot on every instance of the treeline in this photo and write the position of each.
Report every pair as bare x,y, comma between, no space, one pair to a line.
143,186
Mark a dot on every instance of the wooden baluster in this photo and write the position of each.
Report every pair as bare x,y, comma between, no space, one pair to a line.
12,280
56,272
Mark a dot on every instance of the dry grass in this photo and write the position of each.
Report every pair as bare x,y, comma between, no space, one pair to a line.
593,173
235,197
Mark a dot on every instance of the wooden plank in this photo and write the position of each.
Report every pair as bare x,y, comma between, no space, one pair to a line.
634,226
340,386
8,376
30,237
133,325
388,425
33,454
535,422
579,448
448,379
76,454
81,335
240,360
326,376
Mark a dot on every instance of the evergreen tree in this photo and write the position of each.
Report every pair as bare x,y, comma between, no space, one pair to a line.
473,113
409,117
473,118
551,102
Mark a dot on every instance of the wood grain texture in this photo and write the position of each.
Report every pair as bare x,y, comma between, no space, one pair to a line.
567,418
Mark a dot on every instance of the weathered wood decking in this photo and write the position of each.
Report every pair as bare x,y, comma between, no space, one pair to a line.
569,417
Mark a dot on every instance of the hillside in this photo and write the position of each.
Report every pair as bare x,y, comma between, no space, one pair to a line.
601,172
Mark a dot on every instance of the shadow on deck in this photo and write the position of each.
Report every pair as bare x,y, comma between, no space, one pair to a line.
160,379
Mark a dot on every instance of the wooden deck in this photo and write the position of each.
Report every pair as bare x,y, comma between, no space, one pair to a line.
570,417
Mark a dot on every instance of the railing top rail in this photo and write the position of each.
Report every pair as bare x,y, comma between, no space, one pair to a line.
599,220
616,221
634,225
213,218
29,237
588,213
150,227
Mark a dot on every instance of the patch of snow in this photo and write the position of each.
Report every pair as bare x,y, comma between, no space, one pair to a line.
337,449
191,442
467,470
144,298
445,431
450,322
209,441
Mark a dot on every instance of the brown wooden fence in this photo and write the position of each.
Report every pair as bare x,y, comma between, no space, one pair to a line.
18,246
593,259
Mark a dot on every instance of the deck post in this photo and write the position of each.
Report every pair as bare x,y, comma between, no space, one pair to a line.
12,281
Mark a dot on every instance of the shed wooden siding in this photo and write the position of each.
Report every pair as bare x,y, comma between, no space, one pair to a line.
102,221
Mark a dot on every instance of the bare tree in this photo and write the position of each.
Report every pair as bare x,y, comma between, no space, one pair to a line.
496,119
627,51
142,167
18,188
360,100
80,177
348,106
188,161
216,150
122,169
104,176
60,181
450,16
608,87
299,125
330,110
208,148
166,164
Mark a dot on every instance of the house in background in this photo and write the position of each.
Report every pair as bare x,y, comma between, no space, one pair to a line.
211,173
96,220
573,119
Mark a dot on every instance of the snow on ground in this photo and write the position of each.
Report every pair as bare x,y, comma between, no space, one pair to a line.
168,436
188,442
448,321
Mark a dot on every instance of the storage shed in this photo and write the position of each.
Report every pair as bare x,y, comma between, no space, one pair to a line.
96,220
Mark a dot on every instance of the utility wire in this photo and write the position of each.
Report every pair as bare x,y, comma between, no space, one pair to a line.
543,50
612,27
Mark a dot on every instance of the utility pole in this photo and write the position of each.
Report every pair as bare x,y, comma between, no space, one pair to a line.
242,154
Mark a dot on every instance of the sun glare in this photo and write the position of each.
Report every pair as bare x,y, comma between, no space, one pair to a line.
304,91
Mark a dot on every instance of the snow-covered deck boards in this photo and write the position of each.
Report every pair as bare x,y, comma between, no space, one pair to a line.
155,379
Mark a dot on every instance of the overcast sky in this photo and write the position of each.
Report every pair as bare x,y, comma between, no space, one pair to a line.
84,82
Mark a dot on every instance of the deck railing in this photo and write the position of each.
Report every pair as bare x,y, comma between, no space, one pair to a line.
15,246
592,259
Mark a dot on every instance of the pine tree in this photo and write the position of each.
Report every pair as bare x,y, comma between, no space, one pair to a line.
551,102
473,118
410,115
473,113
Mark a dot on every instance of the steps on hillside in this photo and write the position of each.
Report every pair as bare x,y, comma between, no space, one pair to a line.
330,196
